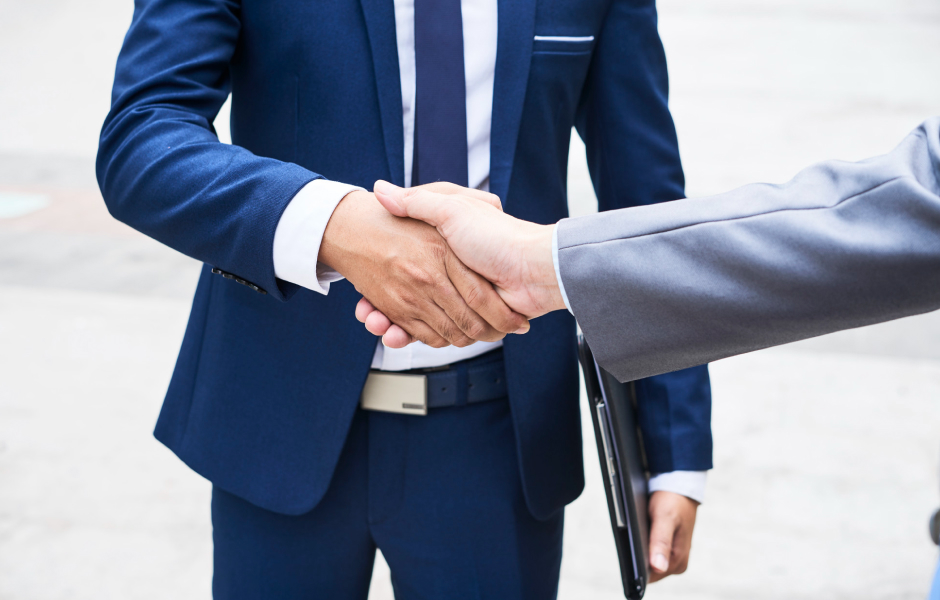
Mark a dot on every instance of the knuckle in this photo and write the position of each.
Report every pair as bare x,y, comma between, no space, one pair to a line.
425,279
421,194
437,342
662,544
446,293
472,324
464,324
476,297
477,330
400,303
463,342
507,323
424,334
397,263
417,274
460,338
449,331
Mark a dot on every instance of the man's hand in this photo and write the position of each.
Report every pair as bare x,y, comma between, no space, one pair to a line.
515,255
672,519
407,270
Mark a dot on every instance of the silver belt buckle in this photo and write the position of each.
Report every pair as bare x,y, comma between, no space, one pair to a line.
402,393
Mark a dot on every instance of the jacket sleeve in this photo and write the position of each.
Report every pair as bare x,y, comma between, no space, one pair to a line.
842,245
633,157
161,167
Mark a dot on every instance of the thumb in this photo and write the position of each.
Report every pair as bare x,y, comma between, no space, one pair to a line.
662,532
424,205
390,196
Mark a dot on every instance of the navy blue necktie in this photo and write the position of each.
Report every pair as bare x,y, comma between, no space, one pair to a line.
440,148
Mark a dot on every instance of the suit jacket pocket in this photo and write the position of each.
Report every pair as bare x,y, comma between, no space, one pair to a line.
563,45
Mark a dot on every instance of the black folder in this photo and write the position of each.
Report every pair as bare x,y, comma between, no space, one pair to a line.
623,465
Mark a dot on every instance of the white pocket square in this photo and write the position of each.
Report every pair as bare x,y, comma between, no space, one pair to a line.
563,38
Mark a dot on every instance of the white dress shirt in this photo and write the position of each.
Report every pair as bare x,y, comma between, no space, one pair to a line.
301,227
300,230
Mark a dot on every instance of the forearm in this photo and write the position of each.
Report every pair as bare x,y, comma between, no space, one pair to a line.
161,168
218,204
843,245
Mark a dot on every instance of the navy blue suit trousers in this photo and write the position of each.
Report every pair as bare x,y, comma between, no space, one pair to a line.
440,495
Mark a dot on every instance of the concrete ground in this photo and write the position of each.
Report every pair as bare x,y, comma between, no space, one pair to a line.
826,452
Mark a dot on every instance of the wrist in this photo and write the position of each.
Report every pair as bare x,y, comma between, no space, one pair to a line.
339,237
540,268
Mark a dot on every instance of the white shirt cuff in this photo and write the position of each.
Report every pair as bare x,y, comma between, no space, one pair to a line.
690,484
561,285
300,231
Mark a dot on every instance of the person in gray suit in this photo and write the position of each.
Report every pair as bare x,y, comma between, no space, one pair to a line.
669,286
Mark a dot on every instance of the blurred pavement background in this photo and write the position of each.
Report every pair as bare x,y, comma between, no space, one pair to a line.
826,451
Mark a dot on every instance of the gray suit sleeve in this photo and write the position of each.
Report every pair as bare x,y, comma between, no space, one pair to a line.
668,286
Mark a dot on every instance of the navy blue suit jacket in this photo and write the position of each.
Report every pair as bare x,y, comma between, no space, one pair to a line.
266,385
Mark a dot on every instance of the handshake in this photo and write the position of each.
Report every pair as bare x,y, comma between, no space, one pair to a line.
441,264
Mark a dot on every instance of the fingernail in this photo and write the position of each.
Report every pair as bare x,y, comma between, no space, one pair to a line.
660,563
521,330
383,187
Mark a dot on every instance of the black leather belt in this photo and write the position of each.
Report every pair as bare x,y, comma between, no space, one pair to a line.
470,381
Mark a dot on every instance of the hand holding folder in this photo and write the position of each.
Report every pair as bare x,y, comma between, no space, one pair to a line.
623,465
624,469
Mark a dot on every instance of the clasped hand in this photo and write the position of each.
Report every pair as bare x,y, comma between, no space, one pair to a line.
408,272
503,265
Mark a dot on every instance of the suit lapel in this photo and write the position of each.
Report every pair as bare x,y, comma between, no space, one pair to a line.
513,57
380,24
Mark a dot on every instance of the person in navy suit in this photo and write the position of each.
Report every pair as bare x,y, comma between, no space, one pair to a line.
455,458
